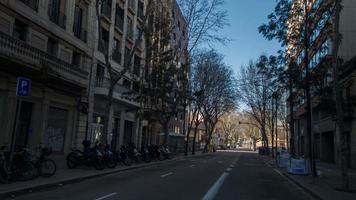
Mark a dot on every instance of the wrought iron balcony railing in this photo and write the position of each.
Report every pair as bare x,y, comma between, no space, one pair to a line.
17,50
120,92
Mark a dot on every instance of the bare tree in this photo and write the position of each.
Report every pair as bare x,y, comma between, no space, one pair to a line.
230,127
255,93
218,92
204,18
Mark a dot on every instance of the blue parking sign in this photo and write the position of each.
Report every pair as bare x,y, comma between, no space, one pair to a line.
23,88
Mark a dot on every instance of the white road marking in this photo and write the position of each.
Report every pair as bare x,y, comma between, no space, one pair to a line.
106,196
279,172
232,165
192,166
215,188
228,169
168,174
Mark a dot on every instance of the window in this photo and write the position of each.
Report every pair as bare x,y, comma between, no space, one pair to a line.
127,56
119,17
137,64
106,8
140,8
136,86
78,27
76,59
31,3
100,73
55,12
52,47
126,83
116,51
129,28
132,4
105,39
20,30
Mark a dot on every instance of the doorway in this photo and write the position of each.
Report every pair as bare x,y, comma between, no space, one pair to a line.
24,129
128,132
56,129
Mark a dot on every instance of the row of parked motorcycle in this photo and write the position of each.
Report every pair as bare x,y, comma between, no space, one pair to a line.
100,156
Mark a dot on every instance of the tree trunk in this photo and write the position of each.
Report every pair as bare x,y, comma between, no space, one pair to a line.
107,116
291,114
166,134
209,131
186,143
340,134
194,139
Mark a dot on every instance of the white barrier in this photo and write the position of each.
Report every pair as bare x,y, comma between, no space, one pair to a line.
283,159
297,166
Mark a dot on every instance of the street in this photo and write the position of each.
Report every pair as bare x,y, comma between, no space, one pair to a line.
222,175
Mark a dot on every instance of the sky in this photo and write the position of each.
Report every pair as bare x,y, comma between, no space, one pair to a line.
245,16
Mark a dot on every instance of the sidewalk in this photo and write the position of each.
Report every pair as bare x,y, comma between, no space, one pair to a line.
323,187
66,176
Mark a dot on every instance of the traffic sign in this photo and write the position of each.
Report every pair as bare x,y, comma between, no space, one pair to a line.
23,88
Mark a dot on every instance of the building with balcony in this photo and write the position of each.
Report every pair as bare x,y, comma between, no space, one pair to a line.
44,41
314,38
55,44
175,49
120,28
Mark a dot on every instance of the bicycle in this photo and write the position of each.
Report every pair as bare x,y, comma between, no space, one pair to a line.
21,167
45,167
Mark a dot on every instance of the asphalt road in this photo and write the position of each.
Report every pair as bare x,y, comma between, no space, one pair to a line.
222,175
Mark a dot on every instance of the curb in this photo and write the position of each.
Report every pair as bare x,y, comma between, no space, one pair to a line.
36,188
311,192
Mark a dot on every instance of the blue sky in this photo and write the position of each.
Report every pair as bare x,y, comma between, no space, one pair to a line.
245,16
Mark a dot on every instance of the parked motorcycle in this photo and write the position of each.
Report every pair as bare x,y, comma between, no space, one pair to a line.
109,157
123,156
155,152
145,154
134,154
89,157
167,154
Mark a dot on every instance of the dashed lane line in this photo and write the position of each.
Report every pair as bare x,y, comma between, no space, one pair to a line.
168,174
215,188
107,196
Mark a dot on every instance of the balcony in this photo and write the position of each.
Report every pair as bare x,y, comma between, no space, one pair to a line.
58,18
80,33
121,93
31,3
39,63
